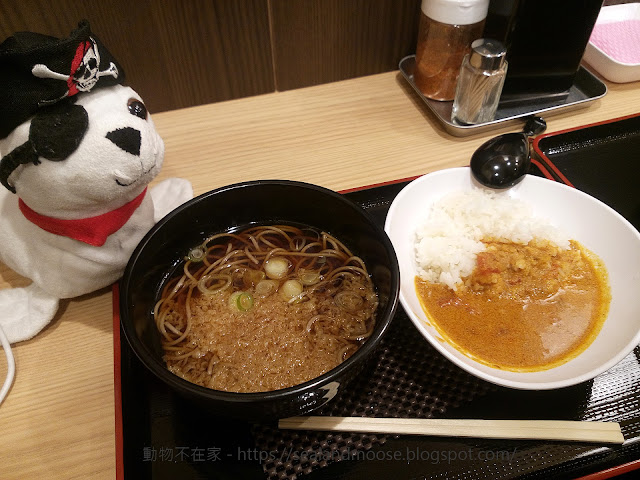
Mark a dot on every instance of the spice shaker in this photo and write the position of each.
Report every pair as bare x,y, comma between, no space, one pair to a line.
447,28
480,82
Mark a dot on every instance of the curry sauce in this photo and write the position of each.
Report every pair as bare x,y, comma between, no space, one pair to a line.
524,307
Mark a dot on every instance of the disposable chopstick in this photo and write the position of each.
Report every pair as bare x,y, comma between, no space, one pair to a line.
600,432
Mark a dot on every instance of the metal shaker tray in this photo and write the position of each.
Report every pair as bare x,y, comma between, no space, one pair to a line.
586,88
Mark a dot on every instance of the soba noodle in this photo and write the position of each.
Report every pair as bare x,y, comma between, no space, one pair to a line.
264,309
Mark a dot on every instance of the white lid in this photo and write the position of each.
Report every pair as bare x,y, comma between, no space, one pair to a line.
456,12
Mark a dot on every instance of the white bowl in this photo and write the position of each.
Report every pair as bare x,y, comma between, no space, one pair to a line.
584,218
606,60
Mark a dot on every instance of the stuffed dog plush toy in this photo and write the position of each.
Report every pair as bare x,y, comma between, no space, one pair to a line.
77,149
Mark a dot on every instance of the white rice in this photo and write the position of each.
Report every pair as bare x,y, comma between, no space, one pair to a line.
449,240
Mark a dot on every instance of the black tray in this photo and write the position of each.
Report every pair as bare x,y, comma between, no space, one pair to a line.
602,160
161,436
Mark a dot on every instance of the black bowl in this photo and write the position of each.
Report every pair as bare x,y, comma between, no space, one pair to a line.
241,205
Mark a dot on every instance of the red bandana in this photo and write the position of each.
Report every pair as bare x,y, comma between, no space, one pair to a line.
92,230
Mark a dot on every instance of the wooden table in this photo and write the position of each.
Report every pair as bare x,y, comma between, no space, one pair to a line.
58,420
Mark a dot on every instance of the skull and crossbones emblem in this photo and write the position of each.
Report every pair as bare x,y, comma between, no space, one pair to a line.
85,70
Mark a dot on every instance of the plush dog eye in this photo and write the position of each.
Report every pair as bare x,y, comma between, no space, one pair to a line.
137,108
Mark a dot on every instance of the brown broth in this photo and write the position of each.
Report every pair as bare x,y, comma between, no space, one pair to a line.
524,307
276,340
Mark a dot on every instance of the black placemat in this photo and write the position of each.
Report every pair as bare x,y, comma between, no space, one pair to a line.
165,437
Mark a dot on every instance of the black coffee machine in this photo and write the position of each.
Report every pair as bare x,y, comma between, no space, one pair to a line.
545,41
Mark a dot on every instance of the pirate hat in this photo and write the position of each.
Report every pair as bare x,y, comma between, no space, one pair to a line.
38,70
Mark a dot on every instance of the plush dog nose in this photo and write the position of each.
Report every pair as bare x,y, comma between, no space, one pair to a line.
128,139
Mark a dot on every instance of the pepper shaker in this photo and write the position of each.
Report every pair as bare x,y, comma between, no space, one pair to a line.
480,83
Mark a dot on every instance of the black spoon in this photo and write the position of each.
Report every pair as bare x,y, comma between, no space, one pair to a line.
503,161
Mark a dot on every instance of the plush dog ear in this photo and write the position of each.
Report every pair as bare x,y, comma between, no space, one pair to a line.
57,131
54,134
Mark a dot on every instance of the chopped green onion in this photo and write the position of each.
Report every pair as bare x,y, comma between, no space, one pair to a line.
196,254
290,289
242,301
308,277
276,267
264,288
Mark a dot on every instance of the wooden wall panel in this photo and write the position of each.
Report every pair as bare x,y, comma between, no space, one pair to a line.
182,53
320,41
175,53
179,53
